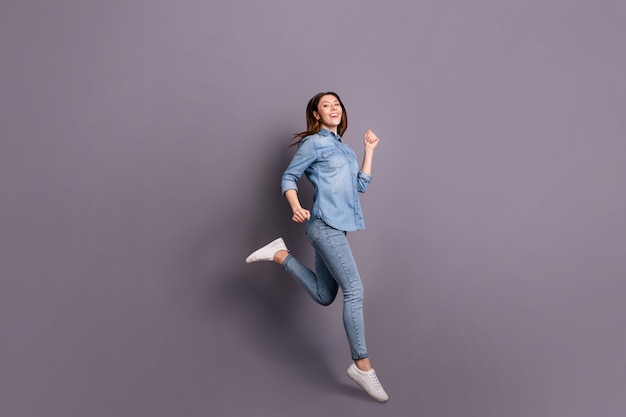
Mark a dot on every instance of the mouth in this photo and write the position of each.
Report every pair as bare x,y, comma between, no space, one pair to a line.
334,115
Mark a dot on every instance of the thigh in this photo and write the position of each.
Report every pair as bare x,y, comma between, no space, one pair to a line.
316,235
324,276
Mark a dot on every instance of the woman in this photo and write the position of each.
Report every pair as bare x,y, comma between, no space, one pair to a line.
332,168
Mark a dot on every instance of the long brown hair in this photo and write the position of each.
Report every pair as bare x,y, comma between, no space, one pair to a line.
313,125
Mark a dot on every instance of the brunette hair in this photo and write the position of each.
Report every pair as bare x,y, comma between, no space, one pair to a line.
313,125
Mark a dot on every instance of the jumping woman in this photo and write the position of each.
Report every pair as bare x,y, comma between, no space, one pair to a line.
332,167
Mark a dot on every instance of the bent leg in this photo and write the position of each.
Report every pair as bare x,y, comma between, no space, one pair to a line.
320,285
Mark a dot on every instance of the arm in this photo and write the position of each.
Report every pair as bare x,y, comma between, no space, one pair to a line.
370,140
304,157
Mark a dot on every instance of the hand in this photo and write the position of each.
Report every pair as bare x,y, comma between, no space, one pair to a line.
370,140
300,215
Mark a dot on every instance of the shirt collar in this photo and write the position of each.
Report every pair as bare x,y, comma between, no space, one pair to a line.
325,132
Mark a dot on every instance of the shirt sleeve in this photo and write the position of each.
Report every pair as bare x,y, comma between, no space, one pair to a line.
363,181
303,158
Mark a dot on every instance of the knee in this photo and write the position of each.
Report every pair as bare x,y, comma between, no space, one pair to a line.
326,301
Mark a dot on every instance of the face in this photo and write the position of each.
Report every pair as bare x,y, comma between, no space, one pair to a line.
329,112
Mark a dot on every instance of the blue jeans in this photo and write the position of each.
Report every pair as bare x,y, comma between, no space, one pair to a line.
334,267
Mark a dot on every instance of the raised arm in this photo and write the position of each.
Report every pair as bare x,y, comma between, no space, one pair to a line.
370,140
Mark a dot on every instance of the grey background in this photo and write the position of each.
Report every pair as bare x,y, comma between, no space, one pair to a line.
141,149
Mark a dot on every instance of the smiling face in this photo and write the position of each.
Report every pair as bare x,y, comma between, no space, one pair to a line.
329,111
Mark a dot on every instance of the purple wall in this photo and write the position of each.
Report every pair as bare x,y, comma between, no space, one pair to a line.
141,147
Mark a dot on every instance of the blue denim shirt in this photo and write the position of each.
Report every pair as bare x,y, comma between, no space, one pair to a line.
332,168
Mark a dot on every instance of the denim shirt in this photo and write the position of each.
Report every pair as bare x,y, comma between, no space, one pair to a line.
332,168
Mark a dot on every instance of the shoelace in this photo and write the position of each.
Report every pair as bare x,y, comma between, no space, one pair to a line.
375,381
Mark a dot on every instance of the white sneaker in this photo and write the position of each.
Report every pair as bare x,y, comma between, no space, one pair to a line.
266,253
369,382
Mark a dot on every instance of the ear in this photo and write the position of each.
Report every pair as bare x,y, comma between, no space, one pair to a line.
316,115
